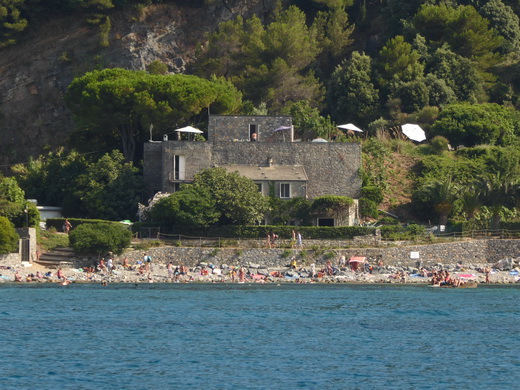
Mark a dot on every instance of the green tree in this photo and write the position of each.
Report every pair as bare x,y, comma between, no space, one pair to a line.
51,179
236,197
474,124
157,67
351,93
11,21
189,207
467,32
440,194
308,123
459,74
399,62
439,92
470,200
267,63
413,95
100,238
110,188
13,205
121,104
8,236
500,185
333,34
504,20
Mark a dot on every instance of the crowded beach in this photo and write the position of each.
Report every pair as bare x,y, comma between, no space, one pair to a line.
342,270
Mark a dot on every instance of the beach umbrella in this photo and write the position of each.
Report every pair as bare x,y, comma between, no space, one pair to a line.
189,129
414,132
357,259
350,126
282,128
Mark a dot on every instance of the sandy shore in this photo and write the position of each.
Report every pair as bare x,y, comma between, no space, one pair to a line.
33,273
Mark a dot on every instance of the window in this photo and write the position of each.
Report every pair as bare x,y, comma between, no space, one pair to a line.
178,167
285,190
325,221
259,185
253,130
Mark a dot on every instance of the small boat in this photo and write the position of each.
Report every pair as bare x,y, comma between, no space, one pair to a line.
470,284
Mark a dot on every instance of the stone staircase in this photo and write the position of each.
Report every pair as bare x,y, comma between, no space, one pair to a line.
59,257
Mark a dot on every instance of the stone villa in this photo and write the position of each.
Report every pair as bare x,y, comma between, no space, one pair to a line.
263,149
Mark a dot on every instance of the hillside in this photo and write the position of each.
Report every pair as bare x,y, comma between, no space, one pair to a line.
36,71
451,67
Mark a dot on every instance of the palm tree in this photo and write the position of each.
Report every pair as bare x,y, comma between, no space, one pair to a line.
441,194
471,201
500,185
499,190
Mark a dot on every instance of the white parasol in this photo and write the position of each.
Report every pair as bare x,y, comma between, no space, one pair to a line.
189,129
350,126
414,132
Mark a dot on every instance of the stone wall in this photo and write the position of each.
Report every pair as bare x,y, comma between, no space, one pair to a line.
10,258
465,252
332,168
230,128
152,170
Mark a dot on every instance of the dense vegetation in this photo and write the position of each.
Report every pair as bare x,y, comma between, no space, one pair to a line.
451,66
100,238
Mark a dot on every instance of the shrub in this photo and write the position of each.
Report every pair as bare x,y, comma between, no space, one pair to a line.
8,236
416,230
368,208
49,239
439,144
100,238
374,193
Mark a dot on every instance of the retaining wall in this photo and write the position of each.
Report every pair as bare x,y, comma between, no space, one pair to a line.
465,252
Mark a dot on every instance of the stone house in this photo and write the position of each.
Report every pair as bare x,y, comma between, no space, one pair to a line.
263,149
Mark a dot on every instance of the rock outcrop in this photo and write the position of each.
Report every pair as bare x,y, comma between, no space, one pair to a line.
35,73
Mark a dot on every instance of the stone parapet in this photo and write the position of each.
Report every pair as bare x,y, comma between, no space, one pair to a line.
464,252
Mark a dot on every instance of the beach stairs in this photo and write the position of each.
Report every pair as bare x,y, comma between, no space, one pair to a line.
59,257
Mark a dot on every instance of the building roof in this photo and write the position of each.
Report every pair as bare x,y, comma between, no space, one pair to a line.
273,173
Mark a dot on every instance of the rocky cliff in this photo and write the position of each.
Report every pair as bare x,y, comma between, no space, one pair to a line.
35,73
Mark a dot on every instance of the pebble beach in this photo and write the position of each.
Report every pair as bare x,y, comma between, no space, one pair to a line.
210,273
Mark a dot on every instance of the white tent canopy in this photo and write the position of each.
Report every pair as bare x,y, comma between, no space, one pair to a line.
350,126
189,129
414,132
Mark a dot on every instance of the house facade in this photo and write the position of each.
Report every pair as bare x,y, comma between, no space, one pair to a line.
263,149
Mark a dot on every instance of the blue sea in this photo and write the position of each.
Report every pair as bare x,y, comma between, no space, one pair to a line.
208,336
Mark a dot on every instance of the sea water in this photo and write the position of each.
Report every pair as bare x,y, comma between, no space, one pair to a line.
209,336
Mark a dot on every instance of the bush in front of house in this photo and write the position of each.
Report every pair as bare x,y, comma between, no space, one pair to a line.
100,238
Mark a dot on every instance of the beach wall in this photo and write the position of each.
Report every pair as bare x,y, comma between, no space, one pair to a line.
465,252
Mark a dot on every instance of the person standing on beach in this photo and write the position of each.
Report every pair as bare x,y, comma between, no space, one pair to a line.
110,265
268,241
169,267
299,242
147,260
342,262
241,275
